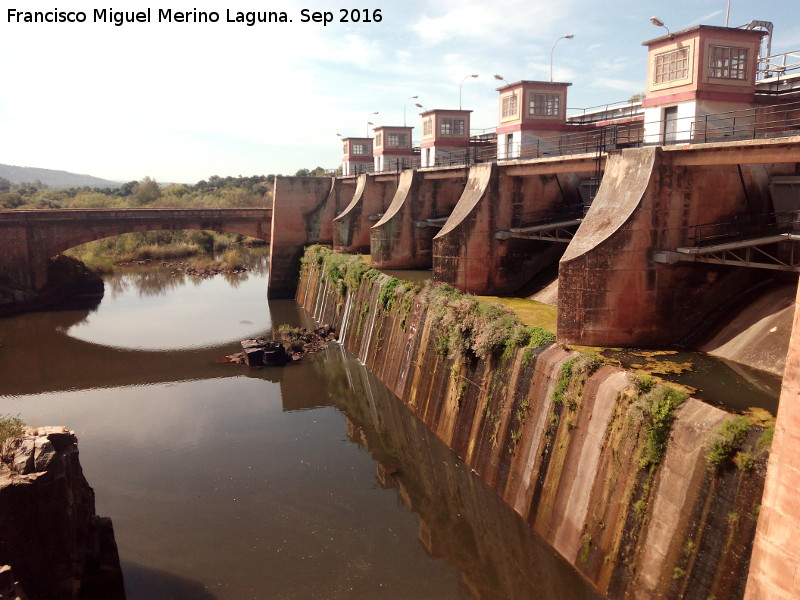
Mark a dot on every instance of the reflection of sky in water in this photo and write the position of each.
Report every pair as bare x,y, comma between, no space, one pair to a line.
195,313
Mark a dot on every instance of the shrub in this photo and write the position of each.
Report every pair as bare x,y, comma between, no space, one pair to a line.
726,438
644,383
232,258
660,407
11,428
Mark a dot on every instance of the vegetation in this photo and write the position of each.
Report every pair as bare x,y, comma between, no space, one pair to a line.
465,323
216,192
468,325
11,428
317,172
725,440
658,406
101,255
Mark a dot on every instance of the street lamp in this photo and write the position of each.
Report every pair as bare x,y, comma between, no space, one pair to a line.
569,36
501,78
659,23
370,122
404,108
462,85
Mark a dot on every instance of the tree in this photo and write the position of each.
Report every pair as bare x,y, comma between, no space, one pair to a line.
317,172
146,191
126,189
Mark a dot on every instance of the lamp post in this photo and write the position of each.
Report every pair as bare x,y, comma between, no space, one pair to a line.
659,23
370,122
501,78
462,85
569,36
404,108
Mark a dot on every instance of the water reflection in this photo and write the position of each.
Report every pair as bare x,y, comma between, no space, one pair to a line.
188,311
460,520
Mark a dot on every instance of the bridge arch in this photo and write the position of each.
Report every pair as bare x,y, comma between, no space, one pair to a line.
28,238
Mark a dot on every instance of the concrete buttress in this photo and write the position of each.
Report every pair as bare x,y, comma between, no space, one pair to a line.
297,205
351,229
611,291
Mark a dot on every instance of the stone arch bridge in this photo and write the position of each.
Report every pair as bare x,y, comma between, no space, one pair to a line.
28,238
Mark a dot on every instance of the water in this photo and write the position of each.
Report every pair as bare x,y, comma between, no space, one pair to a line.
309,481
735,387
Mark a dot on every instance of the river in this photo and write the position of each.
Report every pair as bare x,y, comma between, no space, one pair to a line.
309,481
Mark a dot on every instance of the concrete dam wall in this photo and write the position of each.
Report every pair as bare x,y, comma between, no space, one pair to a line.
647,493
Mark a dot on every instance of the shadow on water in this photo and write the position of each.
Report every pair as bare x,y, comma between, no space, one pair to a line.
143,583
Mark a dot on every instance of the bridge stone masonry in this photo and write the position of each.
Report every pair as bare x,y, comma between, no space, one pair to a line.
28,238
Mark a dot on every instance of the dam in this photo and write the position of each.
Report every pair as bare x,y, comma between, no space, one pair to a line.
651,224
669,222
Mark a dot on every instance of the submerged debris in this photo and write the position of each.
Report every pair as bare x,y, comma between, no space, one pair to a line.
293,344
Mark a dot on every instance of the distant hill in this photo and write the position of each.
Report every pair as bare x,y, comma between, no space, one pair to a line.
54,179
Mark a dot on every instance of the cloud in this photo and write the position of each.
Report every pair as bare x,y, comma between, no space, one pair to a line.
705,19
493,24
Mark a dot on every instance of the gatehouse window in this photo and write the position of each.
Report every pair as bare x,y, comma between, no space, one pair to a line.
671,66
727,62
451,127
510,106
396,140
544,105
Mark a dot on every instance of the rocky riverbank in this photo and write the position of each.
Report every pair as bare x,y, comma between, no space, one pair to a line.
187,269
56,545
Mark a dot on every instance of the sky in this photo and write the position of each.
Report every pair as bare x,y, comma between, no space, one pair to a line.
180,102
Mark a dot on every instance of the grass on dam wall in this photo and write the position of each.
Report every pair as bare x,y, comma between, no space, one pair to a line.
644,489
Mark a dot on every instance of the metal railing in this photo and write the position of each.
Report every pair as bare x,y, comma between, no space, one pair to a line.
744,227
520,220
604,112
749,123
778,64
759,122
